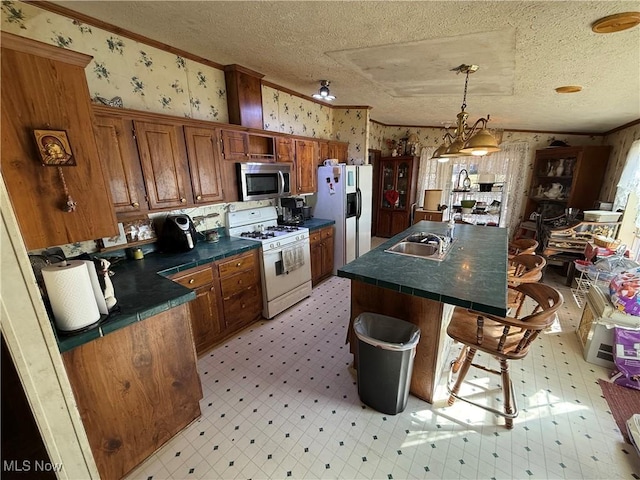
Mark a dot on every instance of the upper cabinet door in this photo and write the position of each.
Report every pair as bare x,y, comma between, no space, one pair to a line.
284,149
119,157
202,149
45,88
235,145
164,163
306,166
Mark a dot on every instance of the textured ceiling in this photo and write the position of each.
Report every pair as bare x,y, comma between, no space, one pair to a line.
396,57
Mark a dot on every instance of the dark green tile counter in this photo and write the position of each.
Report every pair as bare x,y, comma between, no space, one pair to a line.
473,275
142,290
317,223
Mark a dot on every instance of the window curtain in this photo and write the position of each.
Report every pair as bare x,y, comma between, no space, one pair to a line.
629,181
508,165
433,175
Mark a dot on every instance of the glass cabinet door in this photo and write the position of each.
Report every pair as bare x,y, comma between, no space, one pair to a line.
402,185
389,192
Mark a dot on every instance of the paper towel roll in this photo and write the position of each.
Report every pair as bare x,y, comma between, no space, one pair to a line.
71,295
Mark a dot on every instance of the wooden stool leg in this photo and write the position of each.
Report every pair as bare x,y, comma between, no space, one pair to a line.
506,390
463,372
455,366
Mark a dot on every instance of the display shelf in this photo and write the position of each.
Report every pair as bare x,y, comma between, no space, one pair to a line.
487,210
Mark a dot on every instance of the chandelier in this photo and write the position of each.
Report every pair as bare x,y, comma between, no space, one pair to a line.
465,141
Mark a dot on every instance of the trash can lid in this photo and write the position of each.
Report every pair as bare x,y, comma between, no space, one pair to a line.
386,332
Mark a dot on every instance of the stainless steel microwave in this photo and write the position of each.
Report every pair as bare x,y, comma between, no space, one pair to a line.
258,181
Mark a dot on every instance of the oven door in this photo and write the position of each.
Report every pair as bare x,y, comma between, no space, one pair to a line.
277,281
260,181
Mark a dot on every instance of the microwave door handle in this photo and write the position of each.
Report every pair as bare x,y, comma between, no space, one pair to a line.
281,175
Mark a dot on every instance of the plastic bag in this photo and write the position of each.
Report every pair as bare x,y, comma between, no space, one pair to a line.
626,357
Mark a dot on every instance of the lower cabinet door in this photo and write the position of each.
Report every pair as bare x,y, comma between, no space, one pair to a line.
243,307
205,322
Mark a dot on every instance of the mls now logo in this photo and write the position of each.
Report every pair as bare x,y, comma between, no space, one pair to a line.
29,465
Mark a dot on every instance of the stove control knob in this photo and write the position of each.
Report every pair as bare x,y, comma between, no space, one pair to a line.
278,244
271,245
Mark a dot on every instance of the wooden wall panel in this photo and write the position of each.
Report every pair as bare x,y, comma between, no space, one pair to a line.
135,389
40,91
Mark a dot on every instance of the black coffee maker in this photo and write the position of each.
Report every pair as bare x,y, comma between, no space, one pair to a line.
292,210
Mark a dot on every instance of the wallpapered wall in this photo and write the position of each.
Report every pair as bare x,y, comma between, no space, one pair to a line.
150,79
432,137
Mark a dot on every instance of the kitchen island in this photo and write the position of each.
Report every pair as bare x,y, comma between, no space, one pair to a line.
424,292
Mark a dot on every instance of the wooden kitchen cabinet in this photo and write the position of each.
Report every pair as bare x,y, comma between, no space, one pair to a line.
135,389
321,243
334,149
241,146
307,152
396,194
119,157
163,156
204,165
285,151
427,215
206,320
45,88
566,177
241,290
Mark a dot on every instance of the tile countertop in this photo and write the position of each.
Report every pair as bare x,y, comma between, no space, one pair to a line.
142,289
473,274
317,223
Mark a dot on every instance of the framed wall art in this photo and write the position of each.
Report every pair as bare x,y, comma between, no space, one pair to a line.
54,148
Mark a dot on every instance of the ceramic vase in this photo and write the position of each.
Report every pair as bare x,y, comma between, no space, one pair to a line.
560,169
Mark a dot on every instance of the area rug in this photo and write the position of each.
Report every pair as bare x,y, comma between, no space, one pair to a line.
623,403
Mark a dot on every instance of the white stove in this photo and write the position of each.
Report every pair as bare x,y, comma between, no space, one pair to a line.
285,256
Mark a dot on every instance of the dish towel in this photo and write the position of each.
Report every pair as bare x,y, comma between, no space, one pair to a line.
292,258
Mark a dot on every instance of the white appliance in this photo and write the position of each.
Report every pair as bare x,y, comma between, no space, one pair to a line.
285,256
595,331
344,195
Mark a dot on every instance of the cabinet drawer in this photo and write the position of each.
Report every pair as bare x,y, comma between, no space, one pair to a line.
237,264
194,278
235,283
243,306
326,232
315,236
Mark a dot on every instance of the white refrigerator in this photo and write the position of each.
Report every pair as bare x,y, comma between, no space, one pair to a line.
345,195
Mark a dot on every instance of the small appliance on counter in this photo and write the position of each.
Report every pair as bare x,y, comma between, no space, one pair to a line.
178,234
292,211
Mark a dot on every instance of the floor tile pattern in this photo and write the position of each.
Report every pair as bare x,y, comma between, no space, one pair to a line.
281,401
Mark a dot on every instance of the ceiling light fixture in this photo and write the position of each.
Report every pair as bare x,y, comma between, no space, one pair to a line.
465,141
569,89
324,93
616,23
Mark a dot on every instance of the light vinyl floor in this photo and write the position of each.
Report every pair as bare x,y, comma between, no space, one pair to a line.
281,401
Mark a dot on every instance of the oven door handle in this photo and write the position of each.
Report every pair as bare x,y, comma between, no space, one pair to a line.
281,189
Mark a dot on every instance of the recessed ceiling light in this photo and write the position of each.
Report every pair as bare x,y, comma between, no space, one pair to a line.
569,89
616,23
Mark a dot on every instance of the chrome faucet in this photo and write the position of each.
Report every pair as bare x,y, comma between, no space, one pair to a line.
443,242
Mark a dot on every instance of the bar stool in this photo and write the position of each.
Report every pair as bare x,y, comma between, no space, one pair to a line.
523,245
523,268
504,338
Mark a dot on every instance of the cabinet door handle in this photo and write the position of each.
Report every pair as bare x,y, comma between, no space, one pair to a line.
183,200
199,197
135,204
248,154
238,264
243,305
191,281
240,282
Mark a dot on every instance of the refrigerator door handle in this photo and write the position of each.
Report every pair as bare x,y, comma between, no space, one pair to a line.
359,203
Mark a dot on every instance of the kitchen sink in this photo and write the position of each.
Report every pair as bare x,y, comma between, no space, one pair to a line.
422,245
